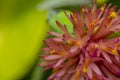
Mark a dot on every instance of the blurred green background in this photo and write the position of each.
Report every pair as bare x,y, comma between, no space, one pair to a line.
23,26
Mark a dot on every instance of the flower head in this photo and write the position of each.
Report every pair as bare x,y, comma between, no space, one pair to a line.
89,53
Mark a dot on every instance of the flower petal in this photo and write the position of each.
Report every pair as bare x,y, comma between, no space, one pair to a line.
52,57
55,34
96,69
89,73
106,56
74,49
59,62
61,73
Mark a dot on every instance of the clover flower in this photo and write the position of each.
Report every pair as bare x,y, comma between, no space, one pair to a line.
89,53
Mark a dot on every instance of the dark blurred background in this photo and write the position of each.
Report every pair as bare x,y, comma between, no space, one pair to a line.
23,26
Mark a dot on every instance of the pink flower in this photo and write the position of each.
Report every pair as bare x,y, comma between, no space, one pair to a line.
89,53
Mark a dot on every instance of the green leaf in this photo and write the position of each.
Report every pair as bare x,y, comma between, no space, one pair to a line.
50,4
22,29
61,17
